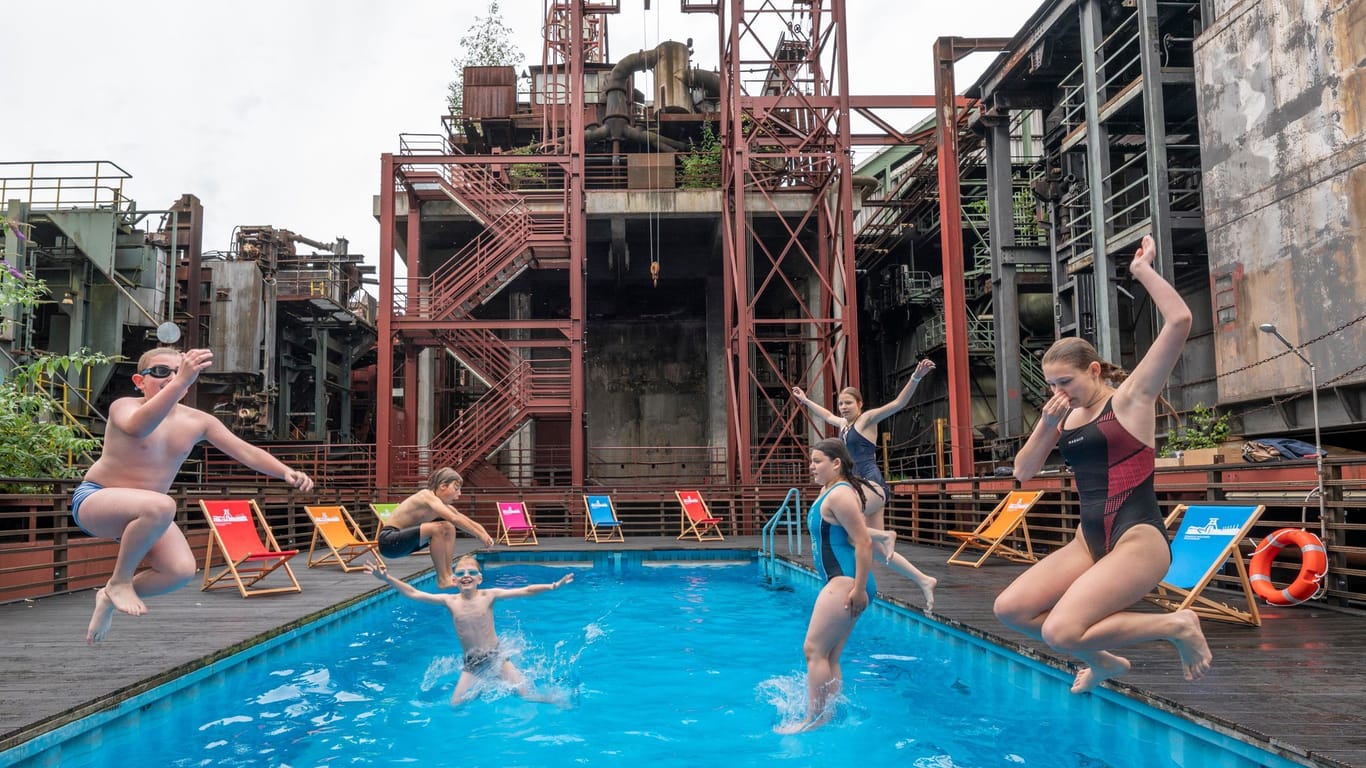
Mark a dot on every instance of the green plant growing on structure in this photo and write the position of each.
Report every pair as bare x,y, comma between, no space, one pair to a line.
1204,428
523,174
702,161
487,43
35,441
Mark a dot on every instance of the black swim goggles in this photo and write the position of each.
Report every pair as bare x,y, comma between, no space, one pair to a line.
159,371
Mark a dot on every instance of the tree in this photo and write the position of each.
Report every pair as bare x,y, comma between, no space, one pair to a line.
35,441
488,43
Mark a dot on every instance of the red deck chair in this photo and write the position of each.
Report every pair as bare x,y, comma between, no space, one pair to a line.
697,521
247,559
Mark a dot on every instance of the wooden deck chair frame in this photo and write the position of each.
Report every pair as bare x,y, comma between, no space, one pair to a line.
520,536
703,526
383,517
600,530
1173,597
346,542
250,567
1006,520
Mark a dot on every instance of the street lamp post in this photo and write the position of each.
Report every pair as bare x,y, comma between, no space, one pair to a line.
1314,395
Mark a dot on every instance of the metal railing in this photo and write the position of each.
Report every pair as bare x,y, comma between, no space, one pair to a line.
788,516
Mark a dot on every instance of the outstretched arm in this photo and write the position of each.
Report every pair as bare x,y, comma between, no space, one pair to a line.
252,456
532,589
403,587
817,408
1150,375
903,398
447,512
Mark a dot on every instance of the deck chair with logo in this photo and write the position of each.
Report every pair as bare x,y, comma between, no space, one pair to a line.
514,525
342,540
1206,538
603,524
235,528
990,537
697,521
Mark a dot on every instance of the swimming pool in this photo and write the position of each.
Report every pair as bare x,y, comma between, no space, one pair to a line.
687,662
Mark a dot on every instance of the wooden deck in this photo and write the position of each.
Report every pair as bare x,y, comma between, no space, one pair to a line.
1296,681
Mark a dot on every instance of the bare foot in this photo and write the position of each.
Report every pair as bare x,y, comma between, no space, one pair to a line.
1106,666
886,547
1190,643
794,727
446,584
124,598
100,620
927,585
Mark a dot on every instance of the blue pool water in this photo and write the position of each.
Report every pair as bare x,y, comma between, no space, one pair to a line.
651,664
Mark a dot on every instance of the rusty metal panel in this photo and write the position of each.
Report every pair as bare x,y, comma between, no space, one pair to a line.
654,170
236,316
1283,150
490,91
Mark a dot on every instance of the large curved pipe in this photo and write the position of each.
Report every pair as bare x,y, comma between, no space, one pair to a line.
616,121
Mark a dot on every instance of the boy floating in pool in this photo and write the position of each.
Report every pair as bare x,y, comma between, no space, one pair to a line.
427,519
124,494
472,612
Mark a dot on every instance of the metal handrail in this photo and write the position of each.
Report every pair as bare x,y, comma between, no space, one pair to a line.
789,514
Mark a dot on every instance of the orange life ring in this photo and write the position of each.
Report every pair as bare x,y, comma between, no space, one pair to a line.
1313,565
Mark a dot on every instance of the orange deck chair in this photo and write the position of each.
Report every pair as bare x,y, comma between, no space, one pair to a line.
697,521
342,539
1005,521
603,523
233,533
514,525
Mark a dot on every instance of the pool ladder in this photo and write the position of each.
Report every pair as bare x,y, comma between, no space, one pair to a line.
788,516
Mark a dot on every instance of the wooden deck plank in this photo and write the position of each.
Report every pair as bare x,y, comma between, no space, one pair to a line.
1296,679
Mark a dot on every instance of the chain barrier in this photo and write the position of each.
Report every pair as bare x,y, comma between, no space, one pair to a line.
1279,355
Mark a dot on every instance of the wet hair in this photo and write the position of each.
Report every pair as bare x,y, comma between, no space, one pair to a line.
854,393
443,476
147,357
836,450
467,558
1078,353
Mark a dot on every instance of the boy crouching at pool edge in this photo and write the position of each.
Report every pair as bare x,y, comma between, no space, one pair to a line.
472,614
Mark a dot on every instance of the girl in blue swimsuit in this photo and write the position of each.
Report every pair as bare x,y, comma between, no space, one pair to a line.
1102,420
858,429
843,556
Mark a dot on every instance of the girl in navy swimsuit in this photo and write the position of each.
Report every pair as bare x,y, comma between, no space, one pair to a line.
858,428
1101,419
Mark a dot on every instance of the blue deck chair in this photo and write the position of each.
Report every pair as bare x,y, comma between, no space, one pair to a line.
603,524
1208,536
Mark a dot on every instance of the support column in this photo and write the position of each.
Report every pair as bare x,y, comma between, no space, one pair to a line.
384,321
1097,169
951,245
1005,299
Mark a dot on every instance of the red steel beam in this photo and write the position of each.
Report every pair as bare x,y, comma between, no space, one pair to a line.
947,52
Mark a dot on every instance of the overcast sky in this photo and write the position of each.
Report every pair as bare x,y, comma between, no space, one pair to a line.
275,112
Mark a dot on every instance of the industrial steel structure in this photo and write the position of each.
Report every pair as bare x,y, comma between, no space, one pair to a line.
287,329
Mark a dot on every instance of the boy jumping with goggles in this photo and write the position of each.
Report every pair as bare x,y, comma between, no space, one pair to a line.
124,495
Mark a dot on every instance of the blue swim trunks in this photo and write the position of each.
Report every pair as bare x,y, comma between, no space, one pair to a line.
77,497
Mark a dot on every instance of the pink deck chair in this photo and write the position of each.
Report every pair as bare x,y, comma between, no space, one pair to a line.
514,525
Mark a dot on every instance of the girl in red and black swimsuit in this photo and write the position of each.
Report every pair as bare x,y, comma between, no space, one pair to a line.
1102,421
